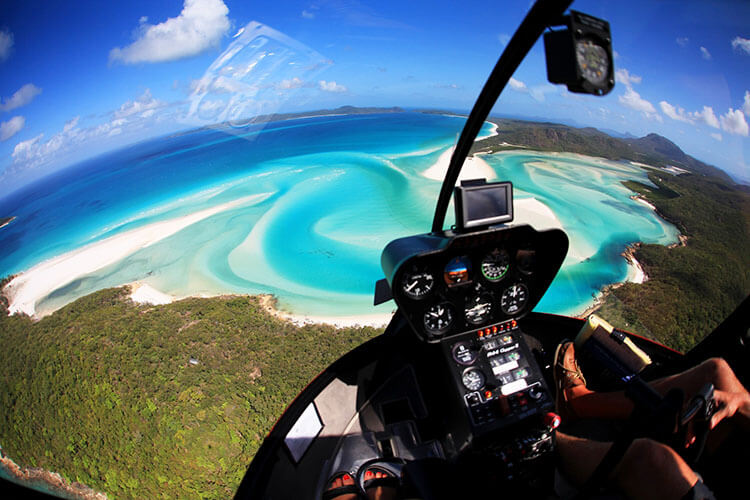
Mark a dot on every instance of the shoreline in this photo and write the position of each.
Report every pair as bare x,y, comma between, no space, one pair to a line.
56,484
635,275
29,287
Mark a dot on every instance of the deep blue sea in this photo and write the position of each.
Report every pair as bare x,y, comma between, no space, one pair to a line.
319,199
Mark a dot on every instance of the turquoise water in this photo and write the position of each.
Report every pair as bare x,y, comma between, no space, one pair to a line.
336,191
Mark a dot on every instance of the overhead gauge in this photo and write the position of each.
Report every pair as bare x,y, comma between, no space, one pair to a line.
593,61
495,265
473,379
478,309
438,318
417,284
514,298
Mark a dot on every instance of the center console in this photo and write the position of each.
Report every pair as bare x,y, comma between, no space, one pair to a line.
503,392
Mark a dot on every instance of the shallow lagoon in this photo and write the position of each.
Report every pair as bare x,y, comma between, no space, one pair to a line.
324,196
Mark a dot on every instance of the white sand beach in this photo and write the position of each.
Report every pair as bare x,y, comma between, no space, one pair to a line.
143,293
474,168
26,289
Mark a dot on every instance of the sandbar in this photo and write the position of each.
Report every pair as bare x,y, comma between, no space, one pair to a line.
29,287
473,168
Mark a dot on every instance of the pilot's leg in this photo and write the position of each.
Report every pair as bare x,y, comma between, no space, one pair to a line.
647,470
582,402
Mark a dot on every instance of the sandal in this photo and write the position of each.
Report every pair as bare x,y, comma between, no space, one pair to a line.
330,493
389,481
567,374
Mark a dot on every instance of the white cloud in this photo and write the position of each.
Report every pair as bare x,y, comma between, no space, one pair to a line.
734,122
517,85
308,15
706,116
6,44
11,127
674,112
331,86
71,124
633,100
705,54
293,83
504,38
199,27
24,149
682,41
746,104
716,136
739,43
143,103
624,77
21,97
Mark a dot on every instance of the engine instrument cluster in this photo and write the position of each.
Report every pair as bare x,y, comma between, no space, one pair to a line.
450,284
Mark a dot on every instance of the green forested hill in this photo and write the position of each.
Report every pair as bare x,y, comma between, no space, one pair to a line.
102,391
691,288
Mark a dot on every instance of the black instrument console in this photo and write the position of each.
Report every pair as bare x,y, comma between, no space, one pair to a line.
497,377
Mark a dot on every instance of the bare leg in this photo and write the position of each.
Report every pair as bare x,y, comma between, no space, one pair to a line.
586,403
647,470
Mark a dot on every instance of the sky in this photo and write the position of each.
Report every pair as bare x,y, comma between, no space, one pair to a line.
80,78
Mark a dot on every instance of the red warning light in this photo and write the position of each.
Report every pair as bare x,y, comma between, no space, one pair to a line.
487,394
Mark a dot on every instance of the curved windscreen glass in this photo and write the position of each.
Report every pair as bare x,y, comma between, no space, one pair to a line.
192,192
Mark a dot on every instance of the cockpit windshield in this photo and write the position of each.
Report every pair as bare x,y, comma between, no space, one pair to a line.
195,196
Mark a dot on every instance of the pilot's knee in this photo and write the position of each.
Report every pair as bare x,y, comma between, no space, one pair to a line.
646,457
716,369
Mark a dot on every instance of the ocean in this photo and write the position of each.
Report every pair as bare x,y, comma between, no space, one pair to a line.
320,198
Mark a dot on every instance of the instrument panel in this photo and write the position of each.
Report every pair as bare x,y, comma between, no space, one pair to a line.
452,284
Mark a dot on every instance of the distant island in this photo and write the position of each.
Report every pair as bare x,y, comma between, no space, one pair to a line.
4,221
278,117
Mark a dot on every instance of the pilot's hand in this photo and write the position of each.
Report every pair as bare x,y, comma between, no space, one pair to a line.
727,404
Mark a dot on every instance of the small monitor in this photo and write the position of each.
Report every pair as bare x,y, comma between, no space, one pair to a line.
481,204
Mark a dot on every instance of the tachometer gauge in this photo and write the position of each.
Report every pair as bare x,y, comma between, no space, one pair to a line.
473,379
514,298
417,284
478,309
438,318
495,265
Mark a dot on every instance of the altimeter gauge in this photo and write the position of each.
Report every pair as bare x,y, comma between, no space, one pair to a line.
495,265
514,298
438,318
417,284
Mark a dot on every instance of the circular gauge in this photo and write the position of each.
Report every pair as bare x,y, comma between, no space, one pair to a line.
463,353
457,271
592,60
495,265
417,284
438,318
526,260
478,309
473,379
514,298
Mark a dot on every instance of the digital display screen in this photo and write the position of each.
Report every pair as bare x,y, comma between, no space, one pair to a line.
484,205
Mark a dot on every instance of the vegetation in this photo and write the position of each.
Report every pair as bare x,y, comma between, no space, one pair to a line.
652,149
691,288
103,391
